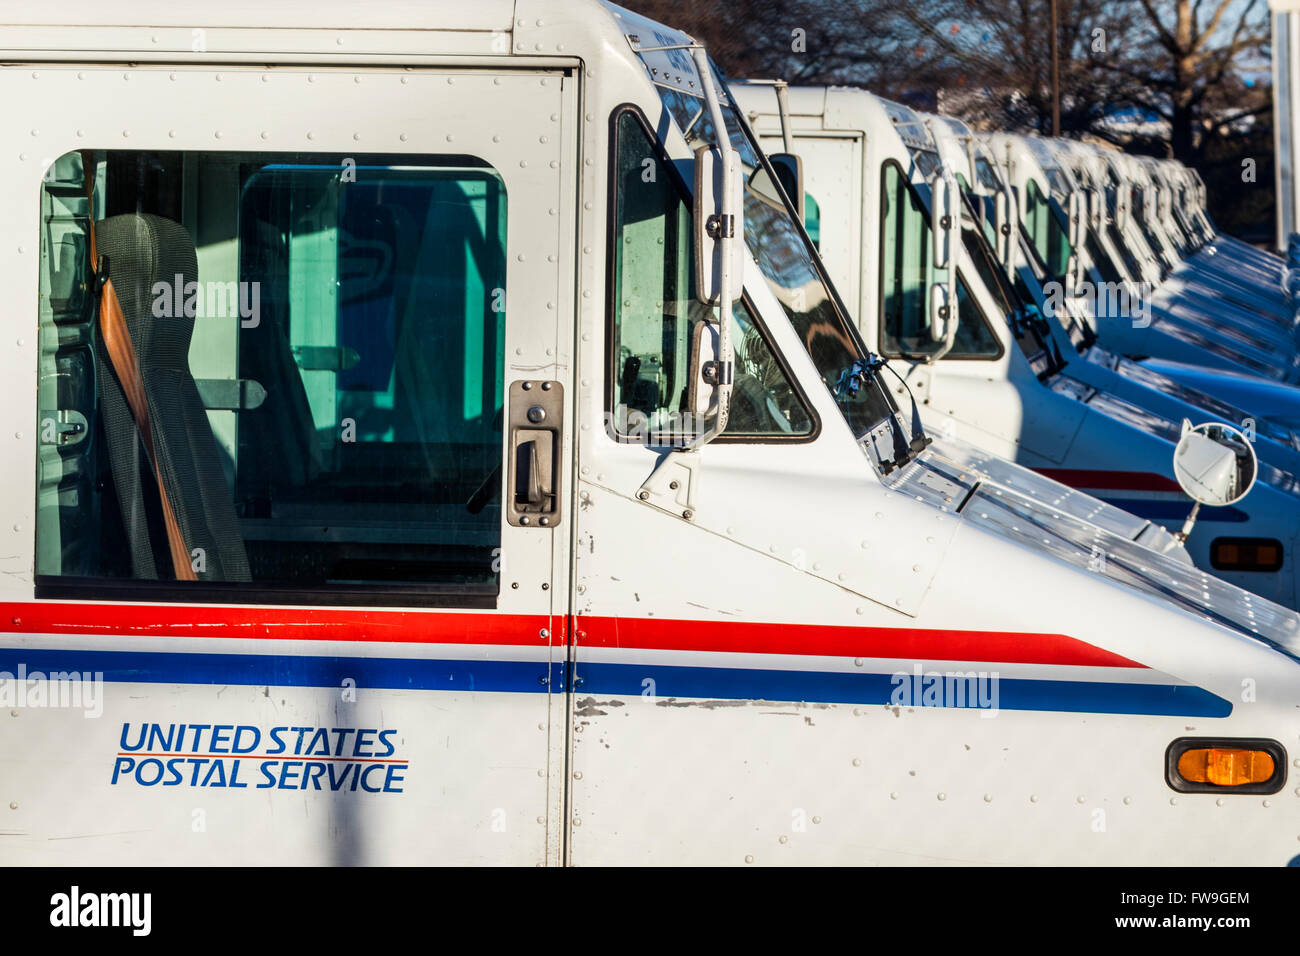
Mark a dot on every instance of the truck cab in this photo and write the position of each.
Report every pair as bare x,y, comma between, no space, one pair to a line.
426,454
999,379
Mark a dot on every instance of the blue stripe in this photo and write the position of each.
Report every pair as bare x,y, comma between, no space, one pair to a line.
148,667
1159,509
718,683
706,683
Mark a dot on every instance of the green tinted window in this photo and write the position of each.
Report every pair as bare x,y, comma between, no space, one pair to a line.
906,270
1046,232
984,208
812,219
321,339
906,275
655,314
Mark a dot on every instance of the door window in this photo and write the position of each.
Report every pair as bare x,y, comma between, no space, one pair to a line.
906,276
1046,232
654,314
321,343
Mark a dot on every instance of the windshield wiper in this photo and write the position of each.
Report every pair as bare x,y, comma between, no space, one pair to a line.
866,372
1029,320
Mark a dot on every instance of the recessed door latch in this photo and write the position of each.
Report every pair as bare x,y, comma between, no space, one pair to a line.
536,446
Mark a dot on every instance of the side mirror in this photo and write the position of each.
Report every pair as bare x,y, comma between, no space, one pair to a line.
943,315
1096,212
1008,229
945,232
1074,212
705,364
789,170
718,255
1001,227
1214,463
719,229
769,190
1121,207
945,219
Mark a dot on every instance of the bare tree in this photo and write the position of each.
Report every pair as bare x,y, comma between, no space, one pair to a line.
1167,77
803,41
1181,54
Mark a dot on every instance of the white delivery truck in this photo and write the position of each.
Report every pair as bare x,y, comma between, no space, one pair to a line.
1219,266
387,491
993,377
1184,323
1190,209
1063,308
1250,283
1205,245
1239,364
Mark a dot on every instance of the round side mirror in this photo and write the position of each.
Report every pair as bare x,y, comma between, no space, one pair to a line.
1215,463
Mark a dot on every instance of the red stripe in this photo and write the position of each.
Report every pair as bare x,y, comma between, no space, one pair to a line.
433,627
287,757
1111,480
1006,647
305,624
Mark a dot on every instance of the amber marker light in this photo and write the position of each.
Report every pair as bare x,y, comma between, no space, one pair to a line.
1225,768
1225,765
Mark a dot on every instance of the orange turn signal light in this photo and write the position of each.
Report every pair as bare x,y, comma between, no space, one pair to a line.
1246,554
1226,768
1225,765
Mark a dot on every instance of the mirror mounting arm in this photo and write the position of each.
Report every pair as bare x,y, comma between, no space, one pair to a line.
945,229
724,223
1181,535
672,485
720,226
783,109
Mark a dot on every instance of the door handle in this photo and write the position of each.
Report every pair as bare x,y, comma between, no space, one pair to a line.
536,448
529,489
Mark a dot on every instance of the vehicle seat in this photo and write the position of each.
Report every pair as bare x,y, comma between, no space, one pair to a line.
142,250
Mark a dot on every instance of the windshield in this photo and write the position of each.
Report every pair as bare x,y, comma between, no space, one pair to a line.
1054,302
1173,224
1098,256
1014,299
1032,335
985,202
1118,241
1140,217
979,249
1183,213
789,262
1093,191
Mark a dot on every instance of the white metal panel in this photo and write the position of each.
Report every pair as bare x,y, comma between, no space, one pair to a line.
485,775
322,14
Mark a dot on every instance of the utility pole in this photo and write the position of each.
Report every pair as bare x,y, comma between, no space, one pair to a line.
1286,102
1056,74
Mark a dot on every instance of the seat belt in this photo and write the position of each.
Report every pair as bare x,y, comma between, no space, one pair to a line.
122,355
